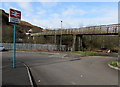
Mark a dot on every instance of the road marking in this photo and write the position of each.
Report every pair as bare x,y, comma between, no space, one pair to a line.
39,81
30,78
73,83
81,75
60,55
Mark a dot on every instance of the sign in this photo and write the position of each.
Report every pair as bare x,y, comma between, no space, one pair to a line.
14,16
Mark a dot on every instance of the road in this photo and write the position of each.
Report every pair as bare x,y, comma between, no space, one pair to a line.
0,68
67,69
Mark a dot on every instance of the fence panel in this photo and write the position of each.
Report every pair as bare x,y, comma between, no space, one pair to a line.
26,46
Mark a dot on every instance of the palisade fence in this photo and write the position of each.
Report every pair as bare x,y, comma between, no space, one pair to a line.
26,46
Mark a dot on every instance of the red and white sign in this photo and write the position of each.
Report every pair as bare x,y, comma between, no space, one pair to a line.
14,16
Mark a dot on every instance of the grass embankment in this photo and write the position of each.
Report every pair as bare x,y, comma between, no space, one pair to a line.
114,63
88,53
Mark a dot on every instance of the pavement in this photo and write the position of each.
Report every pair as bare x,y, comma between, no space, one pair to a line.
14,76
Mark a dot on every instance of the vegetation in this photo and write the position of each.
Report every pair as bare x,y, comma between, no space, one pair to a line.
88,53
104,41
22,29
90,43
114,63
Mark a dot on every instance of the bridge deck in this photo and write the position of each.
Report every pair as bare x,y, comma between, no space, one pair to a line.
93,30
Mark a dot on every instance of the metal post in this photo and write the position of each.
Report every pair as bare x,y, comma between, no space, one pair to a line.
55,37
14,48
61,38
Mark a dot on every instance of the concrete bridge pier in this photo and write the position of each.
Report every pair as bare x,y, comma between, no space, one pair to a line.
58,42
74,43
77,43
80,43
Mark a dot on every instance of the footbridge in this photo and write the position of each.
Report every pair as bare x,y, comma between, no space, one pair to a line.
79,32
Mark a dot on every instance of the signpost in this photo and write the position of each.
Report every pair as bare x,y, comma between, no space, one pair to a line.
14,17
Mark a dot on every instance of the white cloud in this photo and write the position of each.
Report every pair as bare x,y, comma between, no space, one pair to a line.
40,11
17,0
60,1
49,4
67,16
8,6
55,16
73,11
109,17
25,5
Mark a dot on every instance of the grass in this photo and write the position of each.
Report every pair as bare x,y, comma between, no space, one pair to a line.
114,63
88,53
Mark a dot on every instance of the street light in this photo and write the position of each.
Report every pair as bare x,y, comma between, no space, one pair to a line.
61,38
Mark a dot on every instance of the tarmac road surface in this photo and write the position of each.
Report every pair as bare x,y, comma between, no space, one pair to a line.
62,69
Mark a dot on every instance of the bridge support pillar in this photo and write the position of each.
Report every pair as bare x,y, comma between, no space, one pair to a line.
58,42
81,43
77,43
74,43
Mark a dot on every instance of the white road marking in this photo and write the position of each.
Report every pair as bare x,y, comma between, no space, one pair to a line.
81,75
73,83
39,81
30,78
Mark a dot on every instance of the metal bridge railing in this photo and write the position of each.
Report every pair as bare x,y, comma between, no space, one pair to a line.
84,30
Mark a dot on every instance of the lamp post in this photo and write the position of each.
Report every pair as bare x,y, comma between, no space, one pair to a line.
61,38
55,37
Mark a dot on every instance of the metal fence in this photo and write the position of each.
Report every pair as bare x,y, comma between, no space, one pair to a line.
26,46
102,29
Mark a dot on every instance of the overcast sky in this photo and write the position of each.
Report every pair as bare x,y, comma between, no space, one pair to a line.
73,14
